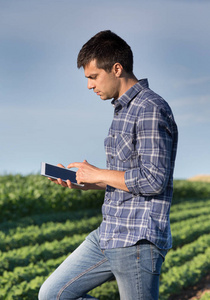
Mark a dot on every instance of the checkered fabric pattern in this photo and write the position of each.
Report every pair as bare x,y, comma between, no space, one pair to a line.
142,141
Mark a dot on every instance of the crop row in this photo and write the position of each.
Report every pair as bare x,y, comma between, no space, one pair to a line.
27,273
24,283
183,212
183,231
186,253
188,274
46,232
40,219
24,196
37,273
29,290
193,191
28,254
43,268
187,231
189,204
42,223
172,281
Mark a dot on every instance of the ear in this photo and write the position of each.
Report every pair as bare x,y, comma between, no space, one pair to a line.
117,69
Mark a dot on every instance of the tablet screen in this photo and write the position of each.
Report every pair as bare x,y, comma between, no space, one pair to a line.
56,172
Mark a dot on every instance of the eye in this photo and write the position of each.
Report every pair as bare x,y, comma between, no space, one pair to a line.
93,76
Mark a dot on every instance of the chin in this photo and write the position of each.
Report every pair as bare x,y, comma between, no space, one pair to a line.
104,98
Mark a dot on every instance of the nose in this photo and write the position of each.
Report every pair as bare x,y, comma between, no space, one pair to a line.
90,84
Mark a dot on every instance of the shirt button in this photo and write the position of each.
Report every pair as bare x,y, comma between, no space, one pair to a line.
112,157
104,219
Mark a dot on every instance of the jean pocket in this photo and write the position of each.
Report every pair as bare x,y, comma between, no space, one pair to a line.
158,257
151,258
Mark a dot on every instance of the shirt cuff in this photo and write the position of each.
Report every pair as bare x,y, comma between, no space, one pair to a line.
131,181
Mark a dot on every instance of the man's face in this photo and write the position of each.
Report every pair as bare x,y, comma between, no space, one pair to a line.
106,85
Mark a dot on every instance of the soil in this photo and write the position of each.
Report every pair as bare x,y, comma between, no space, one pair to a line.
195,292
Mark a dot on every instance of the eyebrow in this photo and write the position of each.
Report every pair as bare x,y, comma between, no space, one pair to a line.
91,75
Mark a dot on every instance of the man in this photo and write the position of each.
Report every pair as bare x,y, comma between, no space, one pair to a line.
134,235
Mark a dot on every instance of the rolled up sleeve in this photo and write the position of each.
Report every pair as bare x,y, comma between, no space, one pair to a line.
154,146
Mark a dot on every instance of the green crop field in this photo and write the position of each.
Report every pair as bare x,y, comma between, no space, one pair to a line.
42,223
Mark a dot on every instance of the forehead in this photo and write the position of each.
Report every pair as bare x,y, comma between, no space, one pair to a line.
91,69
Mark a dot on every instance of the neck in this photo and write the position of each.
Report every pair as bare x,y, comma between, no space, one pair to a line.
127,81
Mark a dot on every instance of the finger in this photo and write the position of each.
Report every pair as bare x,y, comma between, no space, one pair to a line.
60,165
61,182
78,176
74,165
75,186
53,180
71,185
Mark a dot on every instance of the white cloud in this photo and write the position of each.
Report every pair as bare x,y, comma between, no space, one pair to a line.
192,110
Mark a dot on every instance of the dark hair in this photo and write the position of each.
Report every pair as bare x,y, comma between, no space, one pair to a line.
107,48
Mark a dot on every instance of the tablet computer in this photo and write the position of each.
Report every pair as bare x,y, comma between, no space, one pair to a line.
56,172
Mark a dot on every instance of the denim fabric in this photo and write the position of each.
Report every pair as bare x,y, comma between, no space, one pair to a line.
135,268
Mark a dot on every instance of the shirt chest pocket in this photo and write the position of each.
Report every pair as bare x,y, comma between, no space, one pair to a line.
124,146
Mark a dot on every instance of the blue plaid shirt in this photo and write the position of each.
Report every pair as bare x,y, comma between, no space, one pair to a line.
142,141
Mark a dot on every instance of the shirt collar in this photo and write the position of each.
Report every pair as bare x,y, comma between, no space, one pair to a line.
131,93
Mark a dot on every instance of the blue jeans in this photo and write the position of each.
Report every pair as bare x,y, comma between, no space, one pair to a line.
136,269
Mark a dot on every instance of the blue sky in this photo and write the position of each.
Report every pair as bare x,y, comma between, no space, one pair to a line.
46,111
